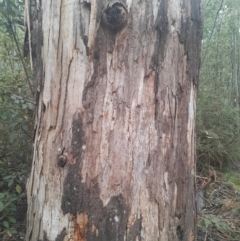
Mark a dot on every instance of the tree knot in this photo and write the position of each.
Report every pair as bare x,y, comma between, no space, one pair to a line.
115,16
62,160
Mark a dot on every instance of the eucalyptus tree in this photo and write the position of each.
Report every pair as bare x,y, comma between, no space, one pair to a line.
114,149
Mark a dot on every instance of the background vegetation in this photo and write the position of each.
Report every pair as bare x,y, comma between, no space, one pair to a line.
16,118
218,120
218,137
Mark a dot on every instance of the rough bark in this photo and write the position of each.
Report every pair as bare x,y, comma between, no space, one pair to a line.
114,146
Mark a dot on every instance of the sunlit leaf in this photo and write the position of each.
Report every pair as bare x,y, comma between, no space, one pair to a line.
18,189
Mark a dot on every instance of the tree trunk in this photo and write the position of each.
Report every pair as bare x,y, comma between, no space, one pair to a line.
114,150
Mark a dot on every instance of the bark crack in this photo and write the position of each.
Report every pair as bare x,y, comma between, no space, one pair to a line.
60,122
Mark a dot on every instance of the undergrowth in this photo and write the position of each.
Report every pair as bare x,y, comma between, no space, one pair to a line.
16,123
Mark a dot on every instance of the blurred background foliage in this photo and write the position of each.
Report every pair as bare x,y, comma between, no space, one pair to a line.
218,139
217,126
16,120
217,123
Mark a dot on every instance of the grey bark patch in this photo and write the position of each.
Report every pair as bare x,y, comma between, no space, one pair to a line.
115,216
190,37
87,5
162,28
37,42
78,136
62,235
74,190
110,221
89,90
82,12
180,233
196,13
95,89
135,231
78,197
45,238
159,48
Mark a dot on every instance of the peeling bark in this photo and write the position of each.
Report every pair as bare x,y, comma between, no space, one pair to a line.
114,150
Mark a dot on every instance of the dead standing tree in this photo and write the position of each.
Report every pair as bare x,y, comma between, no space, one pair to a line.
114,146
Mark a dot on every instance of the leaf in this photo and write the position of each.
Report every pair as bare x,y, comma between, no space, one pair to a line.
207,222
5,224
7,177
25,127
10,182
12,219
9,233
13,207
24,106
12,230
18,189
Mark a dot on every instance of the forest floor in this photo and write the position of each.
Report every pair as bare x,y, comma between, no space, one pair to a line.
218,202
218,206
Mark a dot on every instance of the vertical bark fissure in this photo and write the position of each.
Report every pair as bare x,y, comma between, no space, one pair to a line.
58,125
62,110
161,27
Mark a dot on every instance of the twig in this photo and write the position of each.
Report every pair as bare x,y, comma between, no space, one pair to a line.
25,99
20,55
29,32
10,203
214,25
206,178
205,238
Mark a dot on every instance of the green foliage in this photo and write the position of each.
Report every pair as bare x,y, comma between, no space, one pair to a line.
218,118
210,221
16,119
218,138
233,177
217,128
219,219
11,12
214,225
